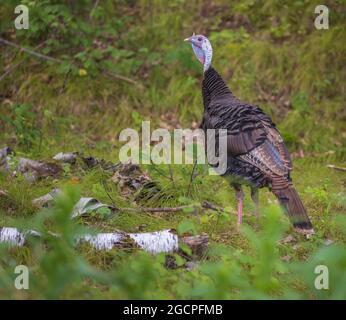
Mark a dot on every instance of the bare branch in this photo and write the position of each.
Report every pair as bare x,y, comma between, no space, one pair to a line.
32,52
94,8
48,58
204,205
192,177
10,69
120,77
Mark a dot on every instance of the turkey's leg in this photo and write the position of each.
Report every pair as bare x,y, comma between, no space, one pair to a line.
240,197
254,197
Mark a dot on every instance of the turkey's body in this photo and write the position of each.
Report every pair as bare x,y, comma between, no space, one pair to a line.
256,154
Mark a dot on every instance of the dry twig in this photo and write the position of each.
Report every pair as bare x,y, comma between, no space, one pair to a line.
48,58
204,205
331,166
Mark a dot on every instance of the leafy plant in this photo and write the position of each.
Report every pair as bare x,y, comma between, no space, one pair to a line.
24,123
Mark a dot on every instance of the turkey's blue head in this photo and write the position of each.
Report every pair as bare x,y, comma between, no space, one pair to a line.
202,48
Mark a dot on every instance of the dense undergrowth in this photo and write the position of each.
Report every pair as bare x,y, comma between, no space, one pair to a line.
122,62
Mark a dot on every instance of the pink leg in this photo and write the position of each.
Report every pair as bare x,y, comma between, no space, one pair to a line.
240,197
240,211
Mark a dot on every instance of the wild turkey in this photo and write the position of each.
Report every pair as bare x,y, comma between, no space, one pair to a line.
256,153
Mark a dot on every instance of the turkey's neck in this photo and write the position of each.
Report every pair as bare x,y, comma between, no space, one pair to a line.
213,86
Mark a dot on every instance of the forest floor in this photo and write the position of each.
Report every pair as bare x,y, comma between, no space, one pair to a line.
322,190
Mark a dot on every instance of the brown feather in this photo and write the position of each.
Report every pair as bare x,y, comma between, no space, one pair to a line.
291,203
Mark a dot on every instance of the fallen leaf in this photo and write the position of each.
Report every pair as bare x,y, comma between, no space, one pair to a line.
82,72
87,205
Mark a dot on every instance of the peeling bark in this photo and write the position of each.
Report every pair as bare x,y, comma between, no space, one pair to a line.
15,237
166,241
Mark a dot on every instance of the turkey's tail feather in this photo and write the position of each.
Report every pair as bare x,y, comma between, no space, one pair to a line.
293,206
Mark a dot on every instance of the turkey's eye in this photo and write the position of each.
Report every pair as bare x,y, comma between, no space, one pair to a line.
199,39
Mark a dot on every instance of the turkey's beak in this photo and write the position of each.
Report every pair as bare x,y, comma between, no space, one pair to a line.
189,39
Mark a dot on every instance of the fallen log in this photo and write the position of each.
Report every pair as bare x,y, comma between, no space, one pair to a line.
34,169
332,166
166,241
15,237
